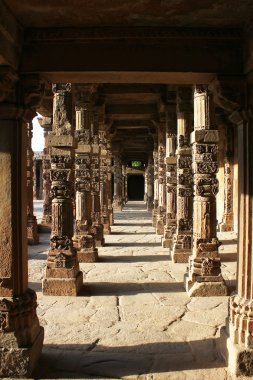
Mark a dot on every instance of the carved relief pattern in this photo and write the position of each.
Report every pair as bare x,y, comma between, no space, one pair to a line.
117,170
205,262
161,209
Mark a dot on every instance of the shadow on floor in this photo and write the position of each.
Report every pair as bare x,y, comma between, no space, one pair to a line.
132,244
133,259
137,224
129,288
85,361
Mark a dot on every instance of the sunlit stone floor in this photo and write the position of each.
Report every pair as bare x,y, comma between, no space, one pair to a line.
133,319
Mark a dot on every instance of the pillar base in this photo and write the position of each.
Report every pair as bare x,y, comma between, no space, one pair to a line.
98,232
87,255
21,362
107,230
181,255
204,288
32,230
44,226
160,227
69,286
226,227
166,242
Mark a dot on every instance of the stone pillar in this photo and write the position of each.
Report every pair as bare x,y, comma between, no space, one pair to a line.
104,194
182,240
62,275
32,227
204,276
21,337
171,180
149,181
228,214
160,219
117,198
45,225
155,157
84,238
109,182
97,226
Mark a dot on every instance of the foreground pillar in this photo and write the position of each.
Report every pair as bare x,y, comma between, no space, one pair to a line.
84,239
62,275
117,198
160,218
204,276
45,225
182,240
171,181
32,227
21,337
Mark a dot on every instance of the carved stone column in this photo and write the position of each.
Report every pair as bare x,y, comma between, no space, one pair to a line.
84,238
155,157
104,193
21,337
97,226
45,226
109,183
149,178
204,277
228,214
160,219
182,240
117,198
32,227
62,274
171,180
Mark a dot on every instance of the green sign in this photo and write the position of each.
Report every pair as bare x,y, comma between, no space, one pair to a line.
136,164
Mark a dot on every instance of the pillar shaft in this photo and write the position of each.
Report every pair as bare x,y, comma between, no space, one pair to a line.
160,221
204,277
155,157
171,181
117,198
182,240
62,274
149,181
84,238
32,227
21,337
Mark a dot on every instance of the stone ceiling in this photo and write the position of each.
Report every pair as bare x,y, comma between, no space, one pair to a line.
170,13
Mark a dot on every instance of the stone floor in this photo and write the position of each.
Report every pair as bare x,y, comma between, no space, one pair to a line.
133,319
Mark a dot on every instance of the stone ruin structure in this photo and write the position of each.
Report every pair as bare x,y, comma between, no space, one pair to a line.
174,93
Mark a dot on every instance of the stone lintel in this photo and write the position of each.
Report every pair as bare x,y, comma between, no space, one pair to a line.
61,141
184,151
60,152
171,160
205,136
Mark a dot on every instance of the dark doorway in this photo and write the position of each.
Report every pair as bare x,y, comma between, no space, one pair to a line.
135,187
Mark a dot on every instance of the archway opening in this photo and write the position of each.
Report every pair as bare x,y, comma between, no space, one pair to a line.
135,187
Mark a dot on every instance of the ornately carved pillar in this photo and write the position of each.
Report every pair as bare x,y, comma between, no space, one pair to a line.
155,157
160,219
117,198
32,227
182,240
97,226
171,180
149,178
228,214
46,124
109,183
204,277
21,337
84,238
62,274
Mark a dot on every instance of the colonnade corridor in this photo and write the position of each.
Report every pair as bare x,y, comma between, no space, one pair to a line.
133,318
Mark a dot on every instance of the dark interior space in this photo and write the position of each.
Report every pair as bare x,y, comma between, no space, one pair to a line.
135,187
